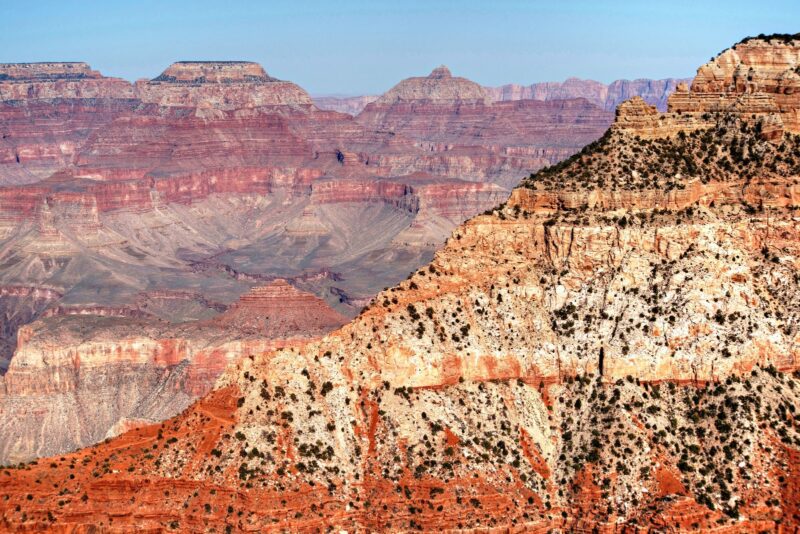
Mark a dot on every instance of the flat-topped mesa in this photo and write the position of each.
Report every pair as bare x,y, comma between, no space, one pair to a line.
757,79
57,70
220,85
214,72
58,79
440,86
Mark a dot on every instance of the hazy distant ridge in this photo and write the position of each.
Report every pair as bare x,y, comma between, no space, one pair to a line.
606,96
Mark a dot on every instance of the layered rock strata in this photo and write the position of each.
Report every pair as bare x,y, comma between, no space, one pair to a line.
614,348
455,121
26,81
220,85
605,96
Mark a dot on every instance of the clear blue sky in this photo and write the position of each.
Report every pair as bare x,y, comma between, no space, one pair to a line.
366,46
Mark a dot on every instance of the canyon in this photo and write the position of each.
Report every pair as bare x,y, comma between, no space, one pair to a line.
612,348
136,217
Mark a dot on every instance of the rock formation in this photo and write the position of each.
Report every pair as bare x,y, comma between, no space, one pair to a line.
48,110
607,97
439,87
758,76
450,116
283,311
614,348
33,81
220,85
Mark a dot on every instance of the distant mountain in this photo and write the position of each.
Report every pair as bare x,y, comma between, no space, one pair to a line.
605,96
608,97
352,105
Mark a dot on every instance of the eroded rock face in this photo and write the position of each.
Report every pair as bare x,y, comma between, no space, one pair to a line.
613,348
606,97
19,306
27,81
758,76
48,110
451,117
283,311
764,67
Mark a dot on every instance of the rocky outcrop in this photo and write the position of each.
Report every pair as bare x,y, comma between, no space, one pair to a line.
614,348
758,76
607,97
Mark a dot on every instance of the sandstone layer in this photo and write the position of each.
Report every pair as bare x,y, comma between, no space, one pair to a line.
613,349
